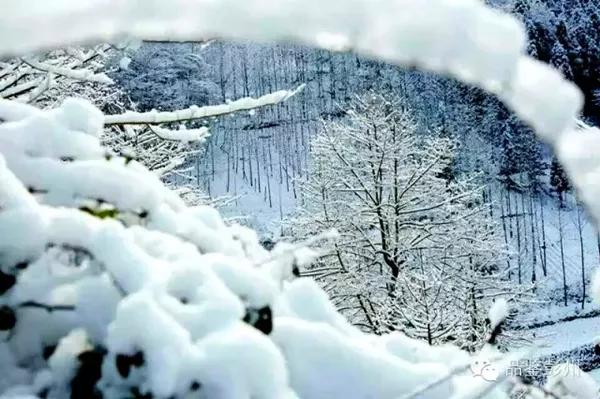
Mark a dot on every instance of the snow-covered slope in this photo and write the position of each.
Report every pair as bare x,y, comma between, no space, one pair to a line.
181,263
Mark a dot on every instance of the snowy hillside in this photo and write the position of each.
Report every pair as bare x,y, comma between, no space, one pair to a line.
258,160
430,234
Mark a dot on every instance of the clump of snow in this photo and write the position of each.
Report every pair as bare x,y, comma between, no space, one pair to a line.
566,380
595,286
578,150
124,63
183,134
79,115
498,312
63,362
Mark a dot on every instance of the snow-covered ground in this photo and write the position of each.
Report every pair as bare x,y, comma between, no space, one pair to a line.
262,209
548,314
565,336
596,374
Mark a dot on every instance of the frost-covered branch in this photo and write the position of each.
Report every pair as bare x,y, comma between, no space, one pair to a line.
194,112
76,74
51,76
182,134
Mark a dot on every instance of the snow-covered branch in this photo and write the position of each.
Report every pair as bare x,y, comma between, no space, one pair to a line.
195,112
182,134
76,74
30,79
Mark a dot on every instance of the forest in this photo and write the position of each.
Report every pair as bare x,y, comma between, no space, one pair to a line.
254,197
267,166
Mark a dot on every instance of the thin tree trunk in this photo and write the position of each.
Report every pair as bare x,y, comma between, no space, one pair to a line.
562,253
582,253
519,271
533,240
544,243
503,217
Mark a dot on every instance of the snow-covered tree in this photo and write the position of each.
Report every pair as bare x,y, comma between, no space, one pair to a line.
172,302
167,77
48,78
560,60
419,252
559,180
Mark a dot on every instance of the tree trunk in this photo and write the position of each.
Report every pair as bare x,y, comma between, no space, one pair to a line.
582,253
562,253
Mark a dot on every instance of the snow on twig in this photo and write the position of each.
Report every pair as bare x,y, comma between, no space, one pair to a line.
77,74
195,112
182,134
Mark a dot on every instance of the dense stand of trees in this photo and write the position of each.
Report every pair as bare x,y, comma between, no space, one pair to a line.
566,35
261,158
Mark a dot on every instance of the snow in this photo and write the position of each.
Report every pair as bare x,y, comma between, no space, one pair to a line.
346,368
568,381
562,337
466,39
240,360
578,150
158,304
305,300
498,312
183,134
595,286
11,111
595,374
63,362
195,112
146,340
164,342
540,97
124,63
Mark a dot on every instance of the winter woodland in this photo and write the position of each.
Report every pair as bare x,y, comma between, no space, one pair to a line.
266,199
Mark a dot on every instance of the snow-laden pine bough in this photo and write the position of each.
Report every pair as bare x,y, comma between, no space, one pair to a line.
111,286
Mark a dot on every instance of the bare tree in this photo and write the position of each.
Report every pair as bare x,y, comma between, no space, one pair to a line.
419,251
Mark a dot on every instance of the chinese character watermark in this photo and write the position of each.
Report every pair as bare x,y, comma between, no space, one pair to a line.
487,370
